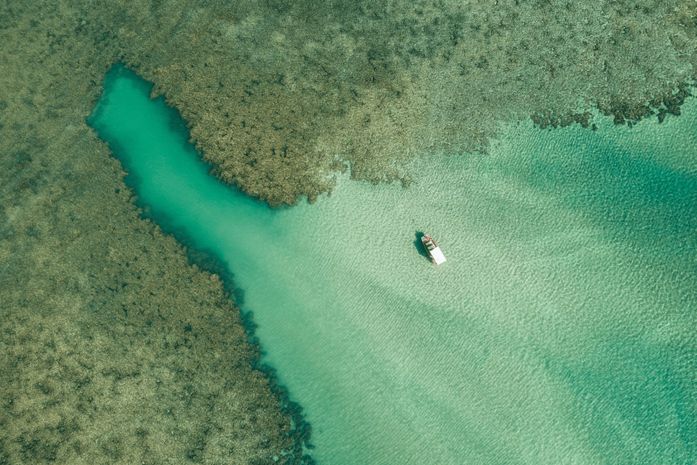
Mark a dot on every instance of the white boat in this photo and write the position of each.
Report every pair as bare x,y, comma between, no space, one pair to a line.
433,250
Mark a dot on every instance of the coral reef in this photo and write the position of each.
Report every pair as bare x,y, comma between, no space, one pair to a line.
113,348
279,95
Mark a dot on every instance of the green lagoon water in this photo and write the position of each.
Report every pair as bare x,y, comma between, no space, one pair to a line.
562,329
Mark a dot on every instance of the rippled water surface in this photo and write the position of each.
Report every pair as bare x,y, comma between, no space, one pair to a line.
561,329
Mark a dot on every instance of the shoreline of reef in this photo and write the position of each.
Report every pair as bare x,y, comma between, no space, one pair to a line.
300,429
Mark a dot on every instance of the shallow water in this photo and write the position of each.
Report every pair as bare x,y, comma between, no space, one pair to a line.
561,329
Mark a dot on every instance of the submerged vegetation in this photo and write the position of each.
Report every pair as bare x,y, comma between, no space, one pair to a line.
279,94
113,349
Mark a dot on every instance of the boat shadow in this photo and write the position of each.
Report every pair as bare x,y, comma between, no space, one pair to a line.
419,245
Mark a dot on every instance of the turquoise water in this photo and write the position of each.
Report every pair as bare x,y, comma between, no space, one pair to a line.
560,331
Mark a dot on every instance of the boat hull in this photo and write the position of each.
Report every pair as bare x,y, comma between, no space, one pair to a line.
434,252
